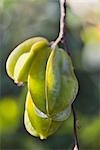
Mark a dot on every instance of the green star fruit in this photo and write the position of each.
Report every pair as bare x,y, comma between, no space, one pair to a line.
52,84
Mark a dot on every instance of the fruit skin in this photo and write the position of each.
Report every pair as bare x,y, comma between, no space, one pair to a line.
52,85
61,83
42,124
18,51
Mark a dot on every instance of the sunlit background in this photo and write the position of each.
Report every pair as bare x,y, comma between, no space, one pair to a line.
22,19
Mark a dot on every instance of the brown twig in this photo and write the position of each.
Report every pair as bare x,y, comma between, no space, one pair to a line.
63,38
76,146
62,23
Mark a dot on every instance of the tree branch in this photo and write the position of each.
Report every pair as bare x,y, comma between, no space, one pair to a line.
76,147
63,38
62,23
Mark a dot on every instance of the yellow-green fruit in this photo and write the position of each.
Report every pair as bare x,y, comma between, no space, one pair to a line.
38,123
52,85
61,83
19,60
36,78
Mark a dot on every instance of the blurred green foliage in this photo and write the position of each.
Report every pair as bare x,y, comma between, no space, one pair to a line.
91,134
8,117
19,20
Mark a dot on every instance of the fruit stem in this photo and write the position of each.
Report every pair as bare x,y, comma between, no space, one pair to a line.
62,23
